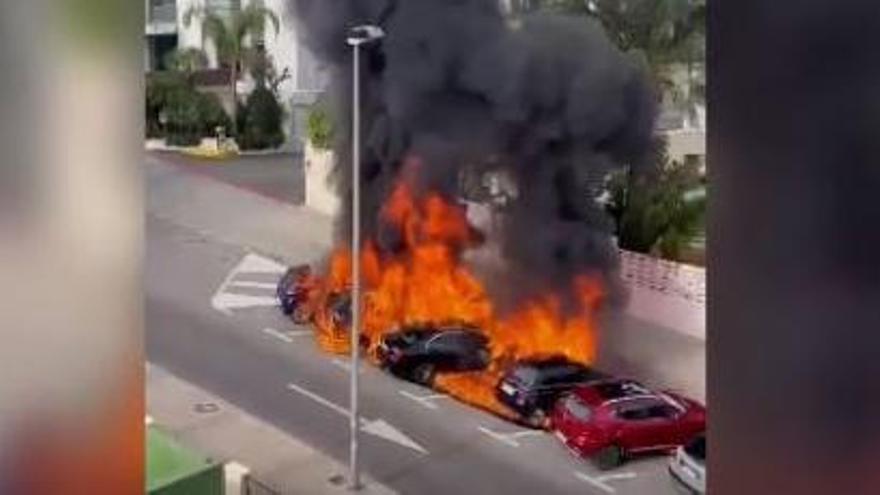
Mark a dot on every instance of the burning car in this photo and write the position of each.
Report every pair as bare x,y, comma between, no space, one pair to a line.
531,387
418,353
293,292
613,420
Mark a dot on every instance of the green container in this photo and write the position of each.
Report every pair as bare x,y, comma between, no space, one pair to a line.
174,470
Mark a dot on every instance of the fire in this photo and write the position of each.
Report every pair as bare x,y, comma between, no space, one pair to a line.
423,280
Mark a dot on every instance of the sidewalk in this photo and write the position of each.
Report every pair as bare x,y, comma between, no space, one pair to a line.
234,215
224,432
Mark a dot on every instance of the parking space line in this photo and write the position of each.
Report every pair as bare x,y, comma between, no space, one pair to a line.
499,436
526,433
617,476
600,481
424,400
510,438
251,285
278,335
345,365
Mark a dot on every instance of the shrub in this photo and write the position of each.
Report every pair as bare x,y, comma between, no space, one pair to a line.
189,114
160,86
212,114
659,210
260,121
320,127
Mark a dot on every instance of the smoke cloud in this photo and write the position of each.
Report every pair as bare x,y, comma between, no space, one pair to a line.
547,100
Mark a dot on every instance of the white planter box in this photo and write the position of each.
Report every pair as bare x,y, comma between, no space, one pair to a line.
320,194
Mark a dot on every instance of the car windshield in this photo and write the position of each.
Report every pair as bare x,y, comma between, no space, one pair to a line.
577,408
525,375
619,389
697,448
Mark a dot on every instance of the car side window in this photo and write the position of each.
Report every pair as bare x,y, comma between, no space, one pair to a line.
560,377
640,410
634,413
445,342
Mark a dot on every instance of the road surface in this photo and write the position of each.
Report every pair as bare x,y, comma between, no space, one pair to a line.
210,319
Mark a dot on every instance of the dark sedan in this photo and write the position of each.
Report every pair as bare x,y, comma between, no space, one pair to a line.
532,387
417,354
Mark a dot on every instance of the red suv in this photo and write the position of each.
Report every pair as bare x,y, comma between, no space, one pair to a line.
615,419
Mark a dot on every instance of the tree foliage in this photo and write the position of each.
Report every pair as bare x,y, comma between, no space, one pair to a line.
658,34
320,127
261,121
658,210
235,37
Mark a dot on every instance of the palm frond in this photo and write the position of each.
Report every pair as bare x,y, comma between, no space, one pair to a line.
251,21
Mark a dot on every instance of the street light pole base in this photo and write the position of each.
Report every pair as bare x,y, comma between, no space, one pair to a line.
343,481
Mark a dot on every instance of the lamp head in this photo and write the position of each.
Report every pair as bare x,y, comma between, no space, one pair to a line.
366,33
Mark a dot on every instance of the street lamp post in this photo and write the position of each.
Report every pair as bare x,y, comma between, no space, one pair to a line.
357,36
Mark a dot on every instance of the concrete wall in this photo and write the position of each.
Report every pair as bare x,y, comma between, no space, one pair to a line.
664,292
318,166
687,141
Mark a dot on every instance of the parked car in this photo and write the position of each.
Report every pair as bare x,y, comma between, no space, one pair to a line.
418,353
688,465
532,387
616,419
293,291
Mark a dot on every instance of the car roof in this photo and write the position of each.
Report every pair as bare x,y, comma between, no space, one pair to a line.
547,363
613,390
430,330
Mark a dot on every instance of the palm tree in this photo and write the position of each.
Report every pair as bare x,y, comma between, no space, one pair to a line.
234,38
186,60
659,34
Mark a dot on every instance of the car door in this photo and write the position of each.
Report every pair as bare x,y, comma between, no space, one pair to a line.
554,384
643,425
444,350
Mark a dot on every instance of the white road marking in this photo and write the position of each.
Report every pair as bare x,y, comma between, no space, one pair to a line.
317,398
526,433
499,436
617,476
382,429
345,364
254,263
599,481
253,285
227,301
250,263
278,335
299,333
424,400
376,427
510,438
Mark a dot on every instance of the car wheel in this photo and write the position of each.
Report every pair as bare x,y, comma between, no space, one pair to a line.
285,307
300,316
424,374
609,458
538,419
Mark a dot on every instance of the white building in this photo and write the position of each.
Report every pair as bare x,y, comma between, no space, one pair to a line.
165,31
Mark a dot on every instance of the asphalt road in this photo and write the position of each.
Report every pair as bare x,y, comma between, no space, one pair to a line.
209,321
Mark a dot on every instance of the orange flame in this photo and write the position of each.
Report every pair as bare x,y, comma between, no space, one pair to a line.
424,281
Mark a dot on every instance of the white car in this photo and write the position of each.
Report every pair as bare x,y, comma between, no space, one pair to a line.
688,465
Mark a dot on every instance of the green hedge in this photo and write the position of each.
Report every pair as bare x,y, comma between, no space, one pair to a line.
189,114
260,120
320,127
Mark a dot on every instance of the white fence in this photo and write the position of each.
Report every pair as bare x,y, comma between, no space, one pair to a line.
664,292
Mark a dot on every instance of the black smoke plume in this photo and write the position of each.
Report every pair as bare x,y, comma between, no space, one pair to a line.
467,90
